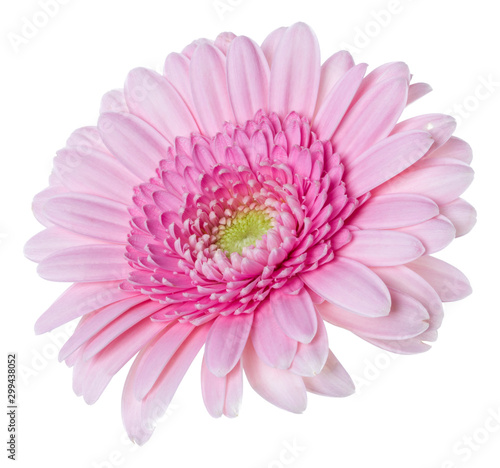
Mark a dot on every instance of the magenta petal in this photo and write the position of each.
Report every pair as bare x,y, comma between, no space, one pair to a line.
295,314
332,381
226,341
350,285
280,387
271,344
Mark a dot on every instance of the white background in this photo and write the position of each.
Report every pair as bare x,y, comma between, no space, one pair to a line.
409,411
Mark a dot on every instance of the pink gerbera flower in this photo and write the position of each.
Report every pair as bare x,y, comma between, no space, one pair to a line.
237,202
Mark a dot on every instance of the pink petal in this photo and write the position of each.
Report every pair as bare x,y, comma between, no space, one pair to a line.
440,126
385,72
295,73
449,282
409,346
79,299
461,214
213,390
51,240
271,344
382,248
152,98
336,103
176,71
271,43
104,365
208,84
280,387
441,181
90,215
41,198
157,354
453,148
247,78
407,319
350,285
416,91
295,314
226,341
371,118
435,234
394,211
234,391
334,68
88,170
385,160
86,264
332,381
113,101
224,40
137,145
311,357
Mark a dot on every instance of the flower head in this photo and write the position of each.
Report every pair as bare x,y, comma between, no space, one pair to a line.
239,201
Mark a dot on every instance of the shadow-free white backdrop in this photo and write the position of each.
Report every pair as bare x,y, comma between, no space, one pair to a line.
435,410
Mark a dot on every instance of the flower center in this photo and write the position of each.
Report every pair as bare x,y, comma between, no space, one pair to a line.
243,230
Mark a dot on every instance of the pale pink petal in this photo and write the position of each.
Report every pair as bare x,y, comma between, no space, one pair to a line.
226,341
384,160
152,98
382,248
176,71
387,71
440,127
247,78
207,75
88,170
434,234
137,145
336,103
79,299
41,198
409,346
114,101
51,240
213,390
350,285
157,354
453,148
295,314
311,357
271,43
371,118
223,41
428,179
449,282
93,262
295,72
332,381
280,387
407,319
394,211
104,365
461,214
271,344
90,216
332,70
234,391
417,91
